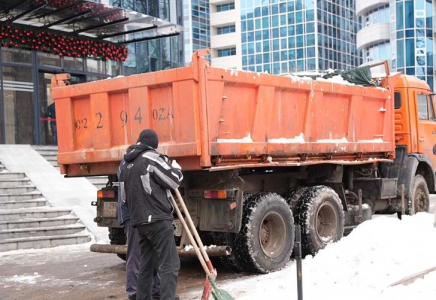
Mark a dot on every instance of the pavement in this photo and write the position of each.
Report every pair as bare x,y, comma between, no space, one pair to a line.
73,272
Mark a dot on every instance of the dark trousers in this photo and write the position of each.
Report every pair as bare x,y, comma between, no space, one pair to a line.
132,263
158,251
54,133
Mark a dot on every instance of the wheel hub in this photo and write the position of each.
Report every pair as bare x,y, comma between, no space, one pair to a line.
420,201
272,234
326,223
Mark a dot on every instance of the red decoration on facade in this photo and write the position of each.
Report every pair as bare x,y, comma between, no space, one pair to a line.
47,41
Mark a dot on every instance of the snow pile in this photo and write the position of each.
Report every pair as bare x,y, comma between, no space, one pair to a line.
336,79
360,266
297,139
246,139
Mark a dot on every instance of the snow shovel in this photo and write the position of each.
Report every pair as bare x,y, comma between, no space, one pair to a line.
197,244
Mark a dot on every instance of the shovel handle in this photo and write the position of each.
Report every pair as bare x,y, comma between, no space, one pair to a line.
191,238
193,229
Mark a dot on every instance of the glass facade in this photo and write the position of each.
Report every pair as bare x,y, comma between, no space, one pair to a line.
382,49
196,23
377,15
291,36
226,52
158,54
225,7
225,29
412,38
379,51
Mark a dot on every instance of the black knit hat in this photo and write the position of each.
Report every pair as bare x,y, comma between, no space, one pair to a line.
148,137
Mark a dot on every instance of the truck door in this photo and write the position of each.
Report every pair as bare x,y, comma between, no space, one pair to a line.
426,126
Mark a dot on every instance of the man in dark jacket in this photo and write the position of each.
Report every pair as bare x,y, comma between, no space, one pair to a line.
146,181
133,249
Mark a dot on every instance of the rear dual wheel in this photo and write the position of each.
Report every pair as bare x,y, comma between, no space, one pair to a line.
266,239
320,214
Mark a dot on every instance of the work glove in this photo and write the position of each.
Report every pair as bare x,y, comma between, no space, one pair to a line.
174,164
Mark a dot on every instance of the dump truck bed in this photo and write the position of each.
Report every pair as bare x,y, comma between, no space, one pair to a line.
212,118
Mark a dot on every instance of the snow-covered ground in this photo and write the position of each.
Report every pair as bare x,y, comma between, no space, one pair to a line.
361,266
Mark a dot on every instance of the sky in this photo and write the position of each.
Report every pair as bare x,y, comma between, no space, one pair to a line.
361,265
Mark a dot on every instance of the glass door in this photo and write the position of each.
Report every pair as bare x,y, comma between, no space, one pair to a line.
18,114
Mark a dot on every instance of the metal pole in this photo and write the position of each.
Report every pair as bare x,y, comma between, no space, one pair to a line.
297,251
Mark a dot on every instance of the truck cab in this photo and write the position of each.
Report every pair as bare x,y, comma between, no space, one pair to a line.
415,134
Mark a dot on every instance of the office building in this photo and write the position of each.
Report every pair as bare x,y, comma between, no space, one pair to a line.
287,36
401,32
196,27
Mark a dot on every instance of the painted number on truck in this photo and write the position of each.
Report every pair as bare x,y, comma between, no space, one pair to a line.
81,123
138,115
162,114
124,116
99,116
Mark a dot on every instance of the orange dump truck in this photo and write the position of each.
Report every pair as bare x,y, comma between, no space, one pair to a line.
259,152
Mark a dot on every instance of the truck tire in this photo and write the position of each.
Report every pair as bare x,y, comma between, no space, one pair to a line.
321,217
420,199
266,239
117,237
293,196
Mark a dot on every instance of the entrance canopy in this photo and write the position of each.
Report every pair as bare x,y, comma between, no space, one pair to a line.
87,19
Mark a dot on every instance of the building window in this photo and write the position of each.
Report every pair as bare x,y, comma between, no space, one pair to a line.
225,29
226,52
375,16
225,7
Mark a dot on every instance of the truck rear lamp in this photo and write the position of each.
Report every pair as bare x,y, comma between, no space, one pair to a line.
106,194
215,194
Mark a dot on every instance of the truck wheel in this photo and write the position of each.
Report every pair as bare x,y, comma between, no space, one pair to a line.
293,196
420,196
117,237
266,239
321,217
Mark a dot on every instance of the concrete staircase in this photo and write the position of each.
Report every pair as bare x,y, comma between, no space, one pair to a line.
26,220
50,153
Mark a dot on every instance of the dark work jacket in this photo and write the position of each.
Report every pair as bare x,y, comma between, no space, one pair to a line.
122,212
146,179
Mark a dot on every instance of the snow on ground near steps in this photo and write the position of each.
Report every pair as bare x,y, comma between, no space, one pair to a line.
360,266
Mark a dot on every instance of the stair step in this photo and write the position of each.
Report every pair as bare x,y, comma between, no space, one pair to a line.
43,241
5,183
41,231
45,147
39,222
19,197
10,176
32,213
98,181
17,190
22,204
